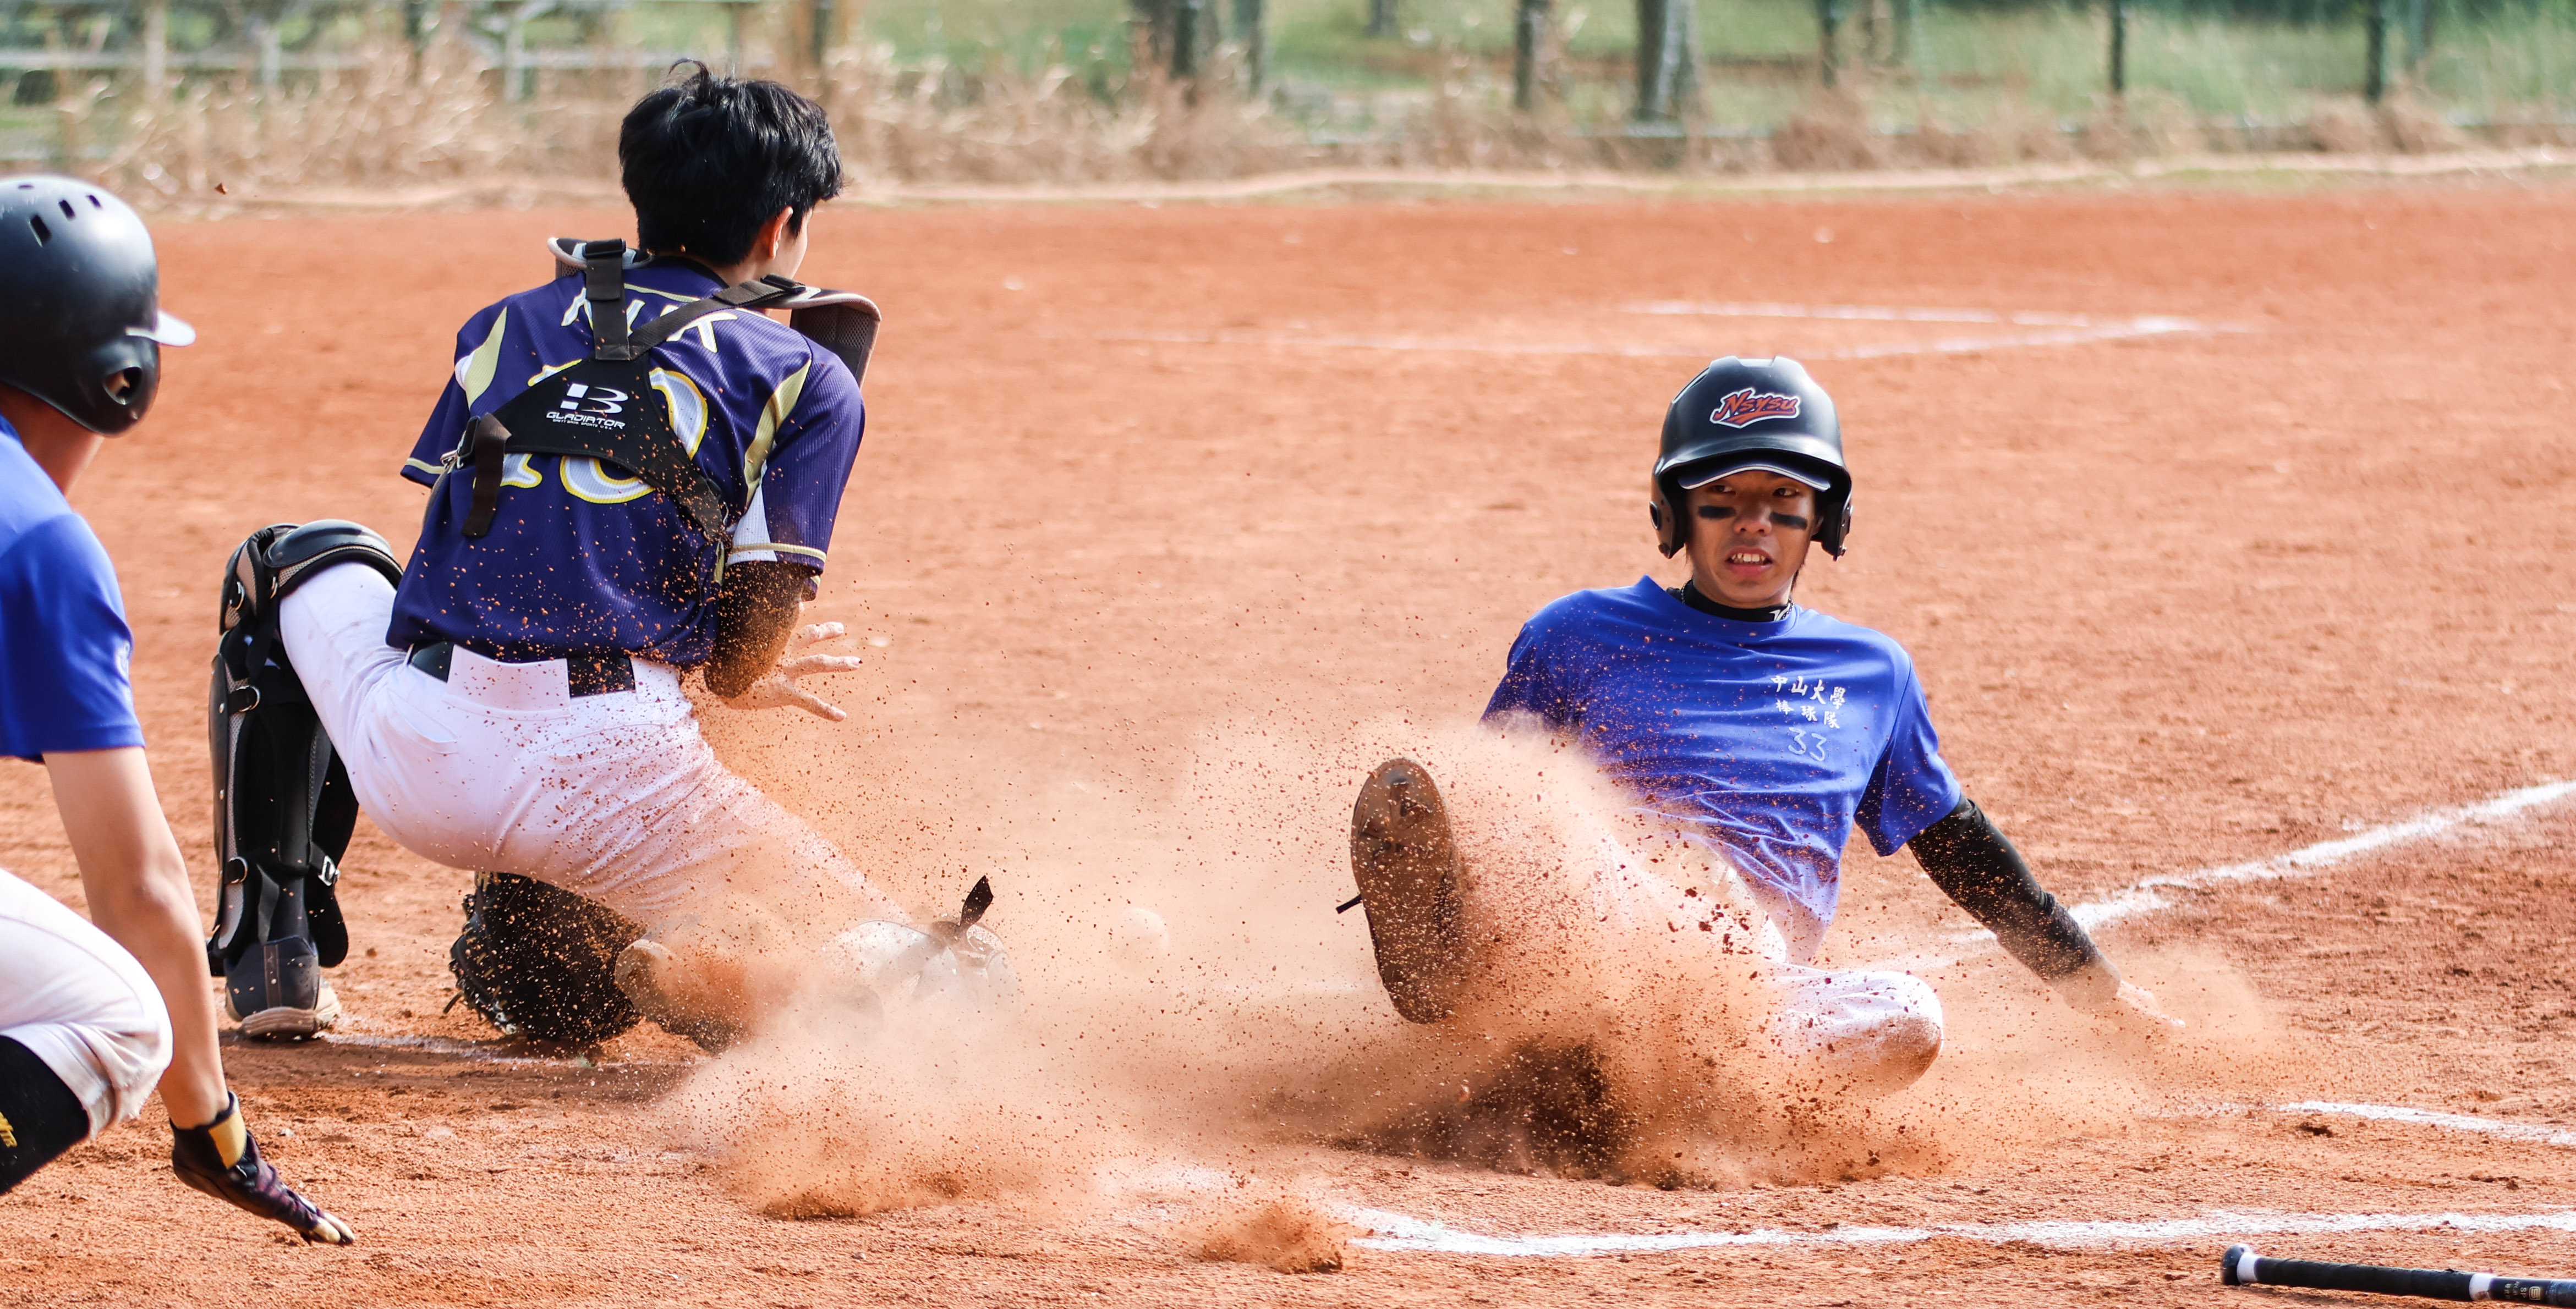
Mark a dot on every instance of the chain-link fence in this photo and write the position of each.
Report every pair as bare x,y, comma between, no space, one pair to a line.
178,94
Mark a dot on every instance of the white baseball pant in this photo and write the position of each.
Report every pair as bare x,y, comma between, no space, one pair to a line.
79,1002
500,767
1873,1032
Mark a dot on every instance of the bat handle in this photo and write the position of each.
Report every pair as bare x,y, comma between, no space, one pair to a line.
2241,1266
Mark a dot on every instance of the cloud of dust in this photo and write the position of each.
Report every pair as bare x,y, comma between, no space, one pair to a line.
1192,1000
2022,1074
1617,1019
1282,1232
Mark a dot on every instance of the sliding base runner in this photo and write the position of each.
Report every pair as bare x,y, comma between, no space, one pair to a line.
2240,1266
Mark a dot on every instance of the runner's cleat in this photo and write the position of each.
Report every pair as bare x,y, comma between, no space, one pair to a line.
1406,862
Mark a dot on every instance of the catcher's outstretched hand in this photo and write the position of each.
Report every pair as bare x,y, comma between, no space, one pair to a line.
780,691
223,1161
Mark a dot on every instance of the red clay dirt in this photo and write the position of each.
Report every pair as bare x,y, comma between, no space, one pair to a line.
1170,521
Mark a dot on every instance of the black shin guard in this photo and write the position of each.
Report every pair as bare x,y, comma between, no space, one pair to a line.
283,805
40,1118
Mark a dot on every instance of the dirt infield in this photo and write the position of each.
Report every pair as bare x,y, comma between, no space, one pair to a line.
2221,527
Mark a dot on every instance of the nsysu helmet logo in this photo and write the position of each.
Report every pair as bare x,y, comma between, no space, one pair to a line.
1748,406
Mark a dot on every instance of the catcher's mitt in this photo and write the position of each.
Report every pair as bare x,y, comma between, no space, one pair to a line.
538,961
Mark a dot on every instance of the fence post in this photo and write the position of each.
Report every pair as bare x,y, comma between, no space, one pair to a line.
2374,79
1254,33
1185,39
2119,47
266,49
156,51
733,36
2419,37
1529,28
1829,21
822,14
1667,60
514,49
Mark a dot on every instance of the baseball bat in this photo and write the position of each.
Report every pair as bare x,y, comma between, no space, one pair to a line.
2240,1266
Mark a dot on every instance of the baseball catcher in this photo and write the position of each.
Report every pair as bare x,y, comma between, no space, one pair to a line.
633,475
94,1017
1750,734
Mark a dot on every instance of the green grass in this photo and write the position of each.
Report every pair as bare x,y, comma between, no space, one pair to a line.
1966,64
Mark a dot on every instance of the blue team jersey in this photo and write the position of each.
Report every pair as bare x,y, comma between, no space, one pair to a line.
65,651
580,559
1766,741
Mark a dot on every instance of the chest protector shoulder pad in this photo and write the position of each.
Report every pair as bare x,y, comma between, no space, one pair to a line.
605,408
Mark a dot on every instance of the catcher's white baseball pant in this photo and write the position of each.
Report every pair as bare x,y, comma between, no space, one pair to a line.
79,1002
501,768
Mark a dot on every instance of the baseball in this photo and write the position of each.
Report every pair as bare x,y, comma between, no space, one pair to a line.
1138,939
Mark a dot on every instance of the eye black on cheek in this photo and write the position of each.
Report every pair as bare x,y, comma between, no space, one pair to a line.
1791,521
1717,513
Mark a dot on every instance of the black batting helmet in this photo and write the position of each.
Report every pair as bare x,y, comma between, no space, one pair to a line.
87,330
1752,413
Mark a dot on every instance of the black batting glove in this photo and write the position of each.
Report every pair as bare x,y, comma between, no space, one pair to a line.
223,1161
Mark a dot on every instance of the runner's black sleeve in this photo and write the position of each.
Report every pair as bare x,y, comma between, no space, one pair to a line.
39,1116
1974,865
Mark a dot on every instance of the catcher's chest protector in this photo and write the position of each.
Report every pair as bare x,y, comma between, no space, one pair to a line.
605,407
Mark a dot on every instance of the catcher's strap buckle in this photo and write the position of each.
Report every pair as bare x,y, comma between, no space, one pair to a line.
842,322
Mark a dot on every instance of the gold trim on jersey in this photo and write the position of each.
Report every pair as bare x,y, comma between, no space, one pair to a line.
782,402
474,371
756,547
584,477
687,403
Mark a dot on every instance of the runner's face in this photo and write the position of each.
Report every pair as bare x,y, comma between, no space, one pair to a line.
1748,537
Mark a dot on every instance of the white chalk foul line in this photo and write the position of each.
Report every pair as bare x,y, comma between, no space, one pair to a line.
2142,896
2146,894
1393,1231
2060,329
2389,1113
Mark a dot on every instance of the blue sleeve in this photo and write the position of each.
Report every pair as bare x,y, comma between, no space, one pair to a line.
1532,683
65,650
484,353
1911,788
806,468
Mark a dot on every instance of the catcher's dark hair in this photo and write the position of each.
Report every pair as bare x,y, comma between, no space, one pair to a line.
706,160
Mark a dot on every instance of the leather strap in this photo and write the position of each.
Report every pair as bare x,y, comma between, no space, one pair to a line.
603,283
757,294
486,439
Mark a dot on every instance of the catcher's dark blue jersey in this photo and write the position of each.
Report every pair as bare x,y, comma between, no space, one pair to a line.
582,560
1765,740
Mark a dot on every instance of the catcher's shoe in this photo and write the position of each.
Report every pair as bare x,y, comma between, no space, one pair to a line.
276,991
1406,862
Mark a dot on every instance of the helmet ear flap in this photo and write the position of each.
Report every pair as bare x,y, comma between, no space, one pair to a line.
1669,525
1837,539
